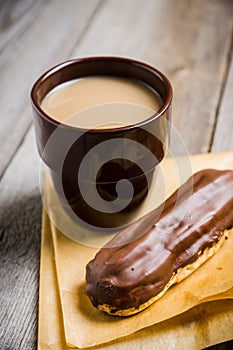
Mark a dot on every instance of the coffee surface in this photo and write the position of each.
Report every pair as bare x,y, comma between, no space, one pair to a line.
101,102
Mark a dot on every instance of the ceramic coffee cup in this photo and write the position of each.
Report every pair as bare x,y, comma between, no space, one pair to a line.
102,175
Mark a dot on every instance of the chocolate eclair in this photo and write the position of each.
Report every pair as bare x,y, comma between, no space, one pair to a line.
137,266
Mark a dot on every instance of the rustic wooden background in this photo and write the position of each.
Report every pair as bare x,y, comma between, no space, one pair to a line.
189,40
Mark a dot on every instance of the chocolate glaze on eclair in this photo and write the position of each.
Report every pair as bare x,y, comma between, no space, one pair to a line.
123,279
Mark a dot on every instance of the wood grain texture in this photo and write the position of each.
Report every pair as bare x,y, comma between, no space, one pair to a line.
47,36
223,136
15,18
20,226
188,40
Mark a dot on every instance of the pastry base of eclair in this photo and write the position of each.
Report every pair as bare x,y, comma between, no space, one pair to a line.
177,277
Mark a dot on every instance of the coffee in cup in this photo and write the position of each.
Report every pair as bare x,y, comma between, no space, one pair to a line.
103,148
66,100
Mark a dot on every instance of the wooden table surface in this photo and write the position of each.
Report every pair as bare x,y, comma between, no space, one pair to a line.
189,40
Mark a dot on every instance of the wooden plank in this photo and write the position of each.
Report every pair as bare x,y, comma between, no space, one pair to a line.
47,41
188,40
223,137
15,18
20,218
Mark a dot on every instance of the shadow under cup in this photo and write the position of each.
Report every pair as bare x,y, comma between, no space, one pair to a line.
102,176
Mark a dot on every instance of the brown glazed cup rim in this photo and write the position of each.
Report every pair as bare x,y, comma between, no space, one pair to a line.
130,61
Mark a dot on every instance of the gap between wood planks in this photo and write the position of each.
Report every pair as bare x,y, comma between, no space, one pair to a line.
229,61
86,27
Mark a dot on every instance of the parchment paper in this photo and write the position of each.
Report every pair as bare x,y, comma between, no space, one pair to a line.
202,326
85,326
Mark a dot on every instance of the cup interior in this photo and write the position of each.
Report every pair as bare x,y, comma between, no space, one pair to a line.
103,66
